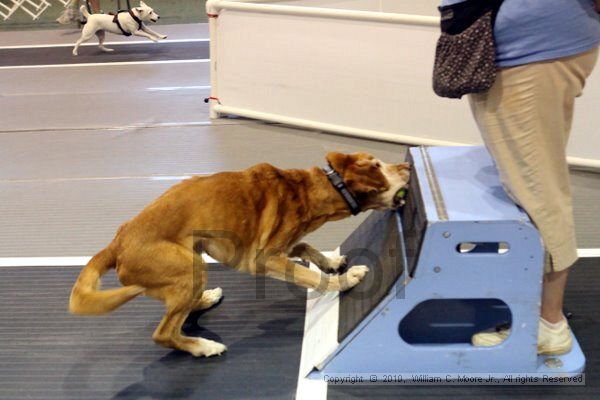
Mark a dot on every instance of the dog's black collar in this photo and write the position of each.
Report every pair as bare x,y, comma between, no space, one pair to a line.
338,183
135,18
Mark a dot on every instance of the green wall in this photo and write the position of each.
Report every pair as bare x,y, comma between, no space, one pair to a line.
170,11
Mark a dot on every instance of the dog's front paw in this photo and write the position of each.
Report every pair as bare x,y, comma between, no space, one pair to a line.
337,262
353,276
75,52
162,36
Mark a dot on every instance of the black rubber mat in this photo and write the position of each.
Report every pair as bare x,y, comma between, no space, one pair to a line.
45,353
381,252
374,243
582,299
92,54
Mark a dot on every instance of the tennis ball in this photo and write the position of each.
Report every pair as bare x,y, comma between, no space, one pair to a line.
401,193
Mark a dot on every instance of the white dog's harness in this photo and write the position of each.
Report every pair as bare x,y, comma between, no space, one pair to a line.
136,19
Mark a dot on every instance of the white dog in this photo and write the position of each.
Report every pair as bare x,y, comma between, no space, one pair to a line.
126,23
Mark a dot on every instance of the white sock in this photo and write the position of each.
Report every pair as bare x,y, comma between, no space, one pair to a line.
554,326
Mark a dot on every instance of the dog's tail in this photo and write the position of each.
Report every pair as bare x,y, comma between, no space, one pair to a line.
86,299
84,11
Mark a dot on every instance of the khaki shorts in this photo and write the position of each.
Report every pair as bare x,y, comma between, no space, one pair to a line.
525,120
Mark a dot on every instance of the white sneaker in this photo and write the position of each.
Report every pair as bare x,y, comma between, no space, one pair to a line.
553,339
488,339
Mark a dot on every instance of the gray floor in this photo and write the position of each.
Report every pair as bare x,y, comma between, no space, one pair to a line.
82,149
69,203
586,199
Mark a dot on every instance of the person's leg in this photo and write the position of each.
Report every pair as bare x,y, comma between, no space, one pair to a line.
553,293
95,5
525,119
69,14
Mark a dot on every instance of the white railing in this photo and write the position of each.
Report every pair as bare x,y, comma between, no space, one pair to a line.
7,10
392,133
34,8
253,6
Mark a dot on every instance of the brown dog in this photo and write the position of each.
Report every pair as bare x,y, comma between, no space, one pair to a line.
251,220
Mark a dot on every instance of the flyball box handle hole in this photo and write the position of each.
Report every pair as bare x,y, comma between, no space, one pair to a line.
483,247
451,321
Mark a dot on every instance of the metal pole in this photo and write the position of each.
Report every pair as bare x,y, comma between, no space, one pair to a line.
213,14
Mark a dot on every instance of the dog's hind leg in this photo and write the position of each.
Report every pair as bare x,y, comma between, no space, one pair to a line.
86,34
168,332
101,36
171,273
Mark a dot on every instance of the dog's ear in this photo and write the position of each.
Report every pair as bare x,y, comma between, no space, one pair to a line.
142,4
364,176
140,10
364,187
338,161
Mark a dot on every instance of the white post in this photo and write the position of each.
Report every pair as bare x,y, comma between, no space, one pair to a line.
212,10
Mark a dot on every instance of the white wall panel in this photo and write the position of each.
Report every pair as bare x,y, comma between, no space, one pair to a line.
367,75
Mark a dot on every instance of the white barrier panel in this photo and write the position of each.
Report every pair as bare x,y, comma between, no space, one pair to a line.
355,71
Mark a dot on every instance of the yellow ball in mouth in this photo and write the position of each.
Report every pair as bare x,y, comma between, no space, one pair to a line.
400,194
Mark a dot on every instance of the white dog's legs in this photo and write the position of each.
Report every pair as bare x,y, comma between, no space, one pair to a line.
86,34
101,36
144,34
151,32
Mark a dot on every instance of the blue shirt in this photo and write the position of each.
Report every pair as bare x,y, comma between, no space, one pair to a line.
529,31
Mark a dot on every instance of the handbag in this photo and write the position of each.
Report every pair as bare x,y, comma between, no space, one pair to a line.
465,55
